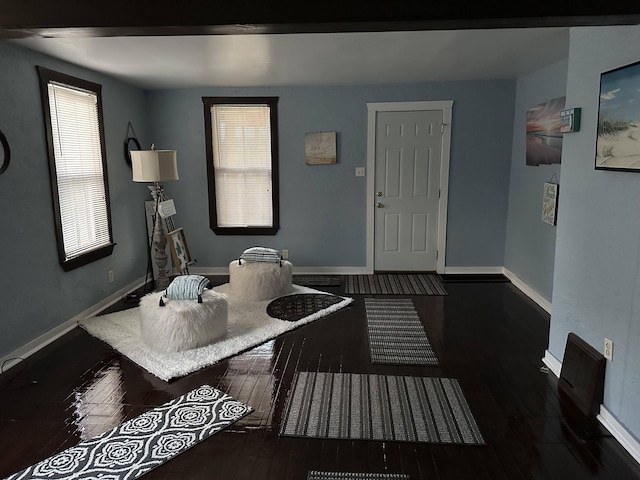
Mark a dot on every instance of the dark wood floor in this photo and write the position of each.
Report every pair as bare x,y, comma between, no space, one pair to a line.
488,335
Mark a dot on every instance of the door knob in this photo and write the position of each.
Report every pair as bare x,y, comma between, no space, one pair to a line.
379,194
379,205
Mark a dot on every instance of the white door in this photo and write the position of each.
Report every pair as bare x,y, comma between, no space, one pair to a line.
408,147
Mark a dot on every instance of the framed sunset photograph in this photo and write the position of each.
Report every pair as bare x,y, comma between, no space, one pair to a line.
618,138
543,134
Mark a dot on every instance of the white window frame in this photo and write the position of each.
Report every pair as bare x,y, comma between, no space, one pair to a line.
81,205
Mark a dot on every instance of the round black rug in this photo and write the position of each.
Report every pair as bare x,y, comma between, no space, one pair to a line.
295,307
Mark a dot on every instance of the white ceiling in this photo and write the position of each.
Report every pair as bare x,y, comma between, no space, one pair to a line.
313,59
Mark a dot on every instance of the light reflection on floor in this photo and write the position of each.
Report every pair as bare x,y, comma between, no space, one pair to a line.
99,404
253,382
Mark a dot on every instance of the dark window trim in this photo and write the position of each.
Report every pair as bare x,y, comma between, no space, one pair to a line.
46,76
275,186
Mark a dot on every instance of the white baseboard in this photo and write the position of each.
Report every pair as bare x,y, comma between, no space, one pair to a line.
473,270
527,290
521,285
552,362
330,270
296,270
608,421
20,354
58,331
351,270
628,441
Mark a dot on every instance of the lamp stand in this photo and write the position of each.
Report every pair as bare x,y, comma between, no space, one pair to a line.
159,241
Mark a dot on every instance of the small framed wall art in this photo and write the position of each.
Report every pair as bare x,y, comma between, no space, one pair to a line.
570,120
179,250
320,148
550,203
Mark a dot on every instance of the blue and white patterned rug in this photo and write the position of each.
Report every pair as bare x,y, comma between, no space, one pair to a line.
145,442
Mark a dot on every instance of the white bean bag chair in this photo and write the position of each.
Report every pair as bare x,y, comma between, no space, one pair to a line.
183,324
258,281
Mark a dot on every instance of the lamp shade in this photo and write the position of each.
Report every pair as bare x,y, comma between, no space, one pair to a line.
154,165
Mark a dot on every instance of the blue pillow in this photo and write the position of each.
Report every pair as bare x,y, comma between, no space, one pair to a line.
186,287
261,254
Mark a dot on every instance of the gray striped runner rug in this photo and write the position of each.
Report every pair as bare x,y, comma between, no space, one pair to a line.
379,407
395,284
396,334
317,280
315,475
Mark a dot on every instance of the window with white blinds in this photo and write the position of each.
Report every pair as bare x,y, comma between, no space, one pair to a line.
78,168
243,165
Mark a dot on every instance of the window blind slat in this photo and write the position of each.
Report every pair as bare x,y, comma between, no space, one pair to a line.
79,168
242,165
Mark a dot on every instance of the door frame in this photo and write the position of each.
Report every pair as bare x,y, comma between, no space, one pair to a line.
446,106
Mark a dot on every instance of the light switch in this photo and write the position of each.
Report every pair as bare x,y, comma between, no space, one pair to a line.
359,171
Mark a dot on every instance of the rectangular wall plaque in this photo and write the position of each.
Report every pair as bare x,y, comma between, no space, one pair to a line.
570,120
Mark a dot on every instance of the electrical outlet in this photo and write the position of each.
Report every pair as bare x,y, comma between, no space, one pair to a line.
285,254
110,275
608,349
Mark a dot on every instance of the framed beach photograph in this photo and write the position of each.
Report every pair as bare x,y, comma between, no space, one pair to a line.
618,136
179,250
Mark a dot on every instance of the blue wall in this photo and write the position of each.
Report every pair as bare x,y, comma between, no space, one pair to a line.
37,295
323,208
596,280
530,245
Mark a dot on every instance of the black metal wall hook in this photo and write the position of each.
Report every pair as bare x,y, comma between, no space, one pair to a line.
127,140
5,155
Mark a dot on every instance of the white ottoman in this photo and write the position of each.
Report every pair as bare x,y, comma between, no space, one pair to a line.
183,324
257,281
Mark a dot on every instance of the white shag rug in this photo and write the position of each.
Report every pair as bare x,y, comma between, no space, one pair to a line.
248,326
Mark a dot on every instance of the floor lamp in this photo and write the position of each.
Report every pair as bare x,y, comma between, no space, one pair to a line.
156,166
